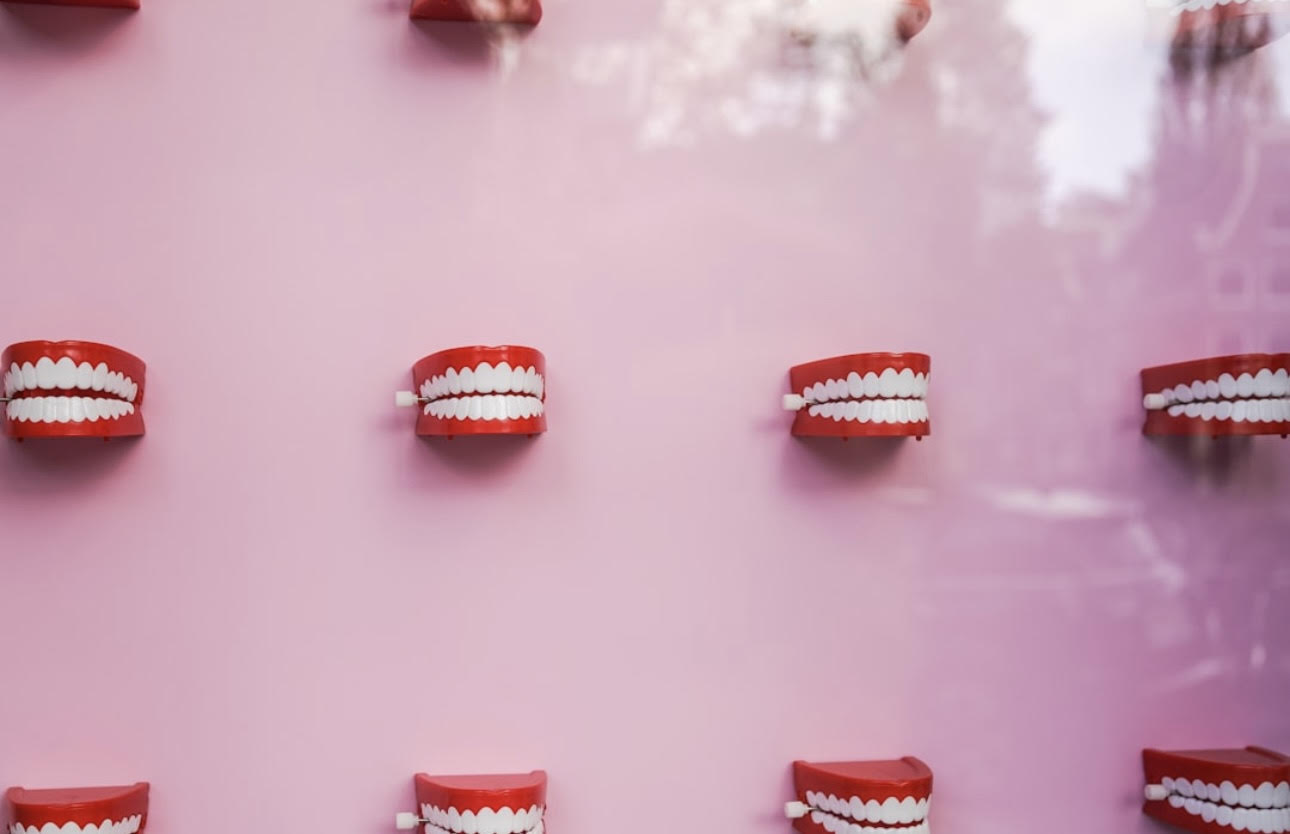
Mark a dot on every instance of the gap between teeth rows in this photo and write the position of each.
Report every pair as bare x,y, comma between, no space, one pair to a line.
485,821
129,825
484,379
65,374
838,825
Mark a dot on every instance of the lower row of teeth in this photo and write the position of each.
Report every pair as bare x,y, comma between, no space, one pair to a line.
837,825
67,409
1271,821
873,411
495,407
1240,411
129,825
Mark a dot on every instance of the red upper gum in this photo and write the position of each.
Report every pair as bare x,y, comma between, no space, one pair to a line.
83,806
474,793
875,780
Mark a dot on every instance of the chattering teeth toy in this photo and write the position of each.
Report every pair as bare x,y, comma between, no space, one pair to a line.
861,395
1210,32
116,810
490,804
1226,395
479,390
71,389
527,12
892,797
1218,791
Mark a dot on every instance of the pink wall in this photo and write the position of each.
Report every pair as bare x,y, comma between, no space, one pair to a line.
280,604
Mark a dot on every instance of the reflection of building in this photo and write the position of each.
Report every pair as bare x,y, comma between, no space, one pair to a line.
1206,226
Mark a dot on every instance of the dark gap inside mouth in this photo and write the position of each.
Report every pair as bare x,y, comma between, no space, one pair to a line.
66,392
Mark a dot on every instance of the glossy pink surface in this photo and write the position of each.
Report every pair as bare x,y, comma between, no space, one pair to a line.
280,603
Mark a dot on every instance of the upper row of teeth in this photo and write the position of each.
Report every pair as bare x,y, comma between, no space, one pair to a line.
485,820
66,374
1266,383
891,810
66,409
495,407
890,383
879,411
1265,795
484,379
129,825
837,825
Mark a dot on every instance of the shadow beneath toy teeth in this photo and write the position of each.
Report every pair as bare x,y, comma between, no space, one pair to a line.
1215,458
81,28
42,465
474,43
817,461
477,455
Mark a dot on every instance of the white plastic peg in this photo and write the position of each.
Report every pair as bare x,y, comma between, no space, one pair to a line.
796,810
406,399
406,821
1154,402
1155,793
794,402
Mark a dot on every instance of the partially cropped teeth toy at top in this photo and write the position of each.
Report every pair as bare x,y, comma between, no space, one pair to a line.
512,803
1206,33
1227,395
71,389
526,12
1218,791
892,797
861,395
479,390
112,810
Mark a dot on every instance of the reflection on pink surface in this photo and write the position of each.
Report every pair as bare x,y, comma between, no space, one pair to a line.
282,593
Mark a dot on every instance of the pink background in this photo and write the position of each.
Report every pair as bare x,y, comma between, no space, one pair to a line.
280,603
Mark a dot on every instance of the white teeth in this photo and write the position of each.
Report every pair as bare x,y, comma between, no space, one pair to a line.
1280,383
486,820
1227,385
1183,786
1192,410
1263,383
502,377
1207,412
1238,411
1198,389
1224,815
1176,800
1208,811
1212,390
454,381
99,380
1213,793
1182,393
871,384
468,823
491,407
855,385
908,805
1245,795
1193,806
906,385
484,385
891,805
519,380
28,376
1244,385
65,373
888,382
819,392
467,377
45,372
1176,410
833,389
855,807
505,818
865,413
873,811
1281,795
